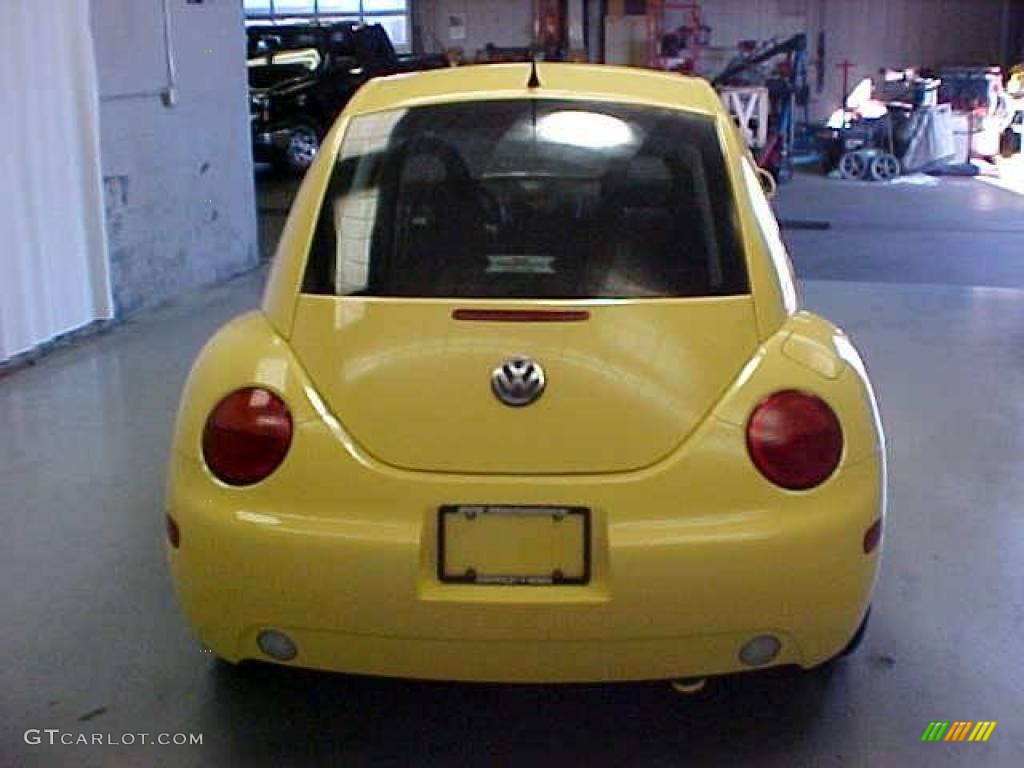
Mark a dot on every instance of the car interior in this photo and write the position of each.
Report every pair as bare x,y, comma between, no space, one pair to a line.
510,215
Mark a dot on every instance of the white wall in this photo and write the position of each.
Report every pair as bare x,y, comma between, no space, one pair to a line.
178,181
53,264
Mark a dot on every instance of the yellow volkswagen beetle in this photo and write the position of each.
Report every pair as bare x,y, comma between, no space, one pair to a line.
529,398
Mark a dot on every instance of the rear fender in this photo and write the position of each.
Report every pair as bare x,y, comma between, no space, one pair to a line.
245,352
811,354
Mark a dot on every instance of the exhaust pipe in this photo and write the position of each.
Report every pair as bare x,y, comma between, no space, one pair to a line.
689,685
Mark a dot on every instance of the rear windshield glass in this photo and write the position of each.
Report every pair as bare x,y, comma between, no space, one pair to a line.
529,198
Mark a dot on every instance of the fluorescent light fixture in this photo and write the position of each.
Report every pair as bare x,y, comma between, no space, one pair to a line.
589,130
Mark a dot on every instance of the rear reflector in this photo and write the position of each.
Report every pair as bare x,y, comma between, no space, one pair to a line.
522,315
872,536
173,534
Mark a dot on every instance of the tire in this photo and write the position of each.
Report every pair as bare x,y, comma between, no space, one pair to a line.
885,167
858,637
854,166
1009,144
303,144
784,172
826,668
231,671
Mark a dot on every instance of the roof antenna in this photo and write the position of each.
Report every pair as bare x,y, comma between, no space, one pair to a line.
534,81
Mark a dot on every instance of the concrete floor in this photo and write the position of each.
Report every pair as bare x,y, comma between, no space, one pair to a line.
930,283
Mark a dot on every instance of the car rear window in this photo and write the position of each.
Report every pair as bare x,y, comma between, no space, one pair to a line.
528,198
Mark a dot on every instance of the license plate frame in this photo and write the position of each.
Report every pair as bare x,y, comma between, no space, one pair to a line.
532,512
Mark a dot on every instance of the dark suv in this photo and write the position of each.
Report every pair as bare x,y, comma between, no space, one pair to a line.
301,77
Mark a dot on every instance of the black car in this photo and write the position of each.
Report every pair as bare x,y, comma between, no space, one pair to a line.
301,77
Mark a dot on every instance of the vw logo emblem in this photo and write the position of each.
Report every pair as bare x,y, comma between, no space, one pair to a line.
518,381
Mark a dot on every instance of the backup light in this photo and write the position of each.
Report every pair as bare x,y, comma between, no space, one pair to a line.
276,645
760,650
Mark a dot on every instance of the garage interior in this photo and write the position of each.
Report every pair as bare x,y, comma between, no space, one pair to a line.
139,223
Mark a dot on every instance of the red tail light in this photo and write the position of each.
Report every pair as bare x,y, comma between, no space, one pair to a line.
247,436
794,440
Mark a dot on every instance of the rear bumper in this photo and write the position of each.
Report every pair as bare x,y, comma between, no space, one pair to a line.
684,570
520,661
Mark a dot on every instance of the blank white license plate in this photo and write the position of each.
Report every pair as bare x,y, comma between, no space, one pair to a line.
510,545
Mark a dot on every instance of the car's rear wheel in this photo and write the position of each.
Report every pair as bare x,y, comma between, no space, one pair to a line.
232,670
852,645
858,637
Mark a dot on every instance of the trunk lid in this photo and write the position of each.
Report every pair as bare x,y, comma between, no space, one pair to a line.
624,387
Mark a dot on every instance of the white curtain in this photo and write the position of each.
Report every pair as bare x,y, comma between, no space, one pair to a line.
53,254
